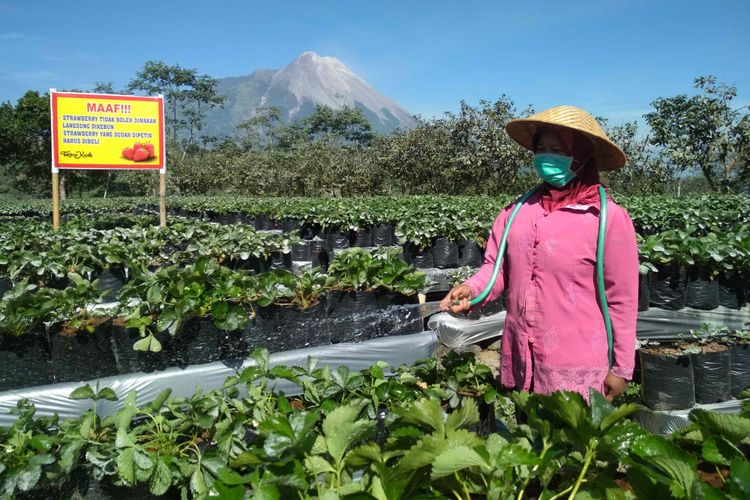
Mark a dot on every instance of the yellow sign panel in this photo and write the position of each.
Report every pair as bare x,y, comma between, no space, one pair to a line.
102,131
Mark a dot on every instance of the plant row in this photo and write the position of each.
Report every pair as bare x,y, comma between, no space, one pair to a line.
425,431
707,367
200,313
454,217
36,253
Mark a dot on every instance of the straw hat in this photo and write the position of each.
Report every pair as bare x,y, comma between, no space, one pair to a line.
606,153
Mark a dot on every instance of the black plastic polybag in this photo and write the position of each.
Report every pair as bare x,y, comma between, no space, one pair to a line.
740,367
445,253
702,290
667,381
336,238
469,254
421,258
732,291
82,355
25,360
712,376
302,251
668,287
362,238
382,235
644,295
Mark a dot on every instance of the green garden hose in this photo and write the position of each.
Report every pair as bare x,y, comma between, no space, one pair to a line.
599,261
501,249
600,272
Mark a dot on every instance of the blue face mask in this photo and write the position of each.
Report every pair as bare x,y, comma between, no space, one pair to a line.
554,169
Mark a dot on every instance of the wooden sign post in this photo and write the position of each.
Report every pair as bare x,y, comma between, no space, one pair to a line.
107,132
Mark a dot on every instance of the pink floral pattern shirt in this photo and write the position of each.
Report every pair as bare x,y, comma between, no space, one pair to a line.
554,332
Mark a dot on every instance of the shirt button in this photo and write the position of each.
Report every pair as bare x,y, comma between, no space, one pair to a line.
531,340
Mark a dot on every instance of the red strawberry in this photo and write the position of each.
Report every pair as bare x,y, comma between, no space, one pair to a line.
128,153
137,145
140,154
150,148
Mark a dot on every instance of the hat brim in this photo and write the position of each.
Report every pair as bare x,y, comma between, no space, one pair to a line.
606,153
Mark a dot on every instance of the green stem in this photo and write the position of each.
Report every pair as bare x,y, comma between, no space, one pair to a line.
563,492
586,463
721,476
545,449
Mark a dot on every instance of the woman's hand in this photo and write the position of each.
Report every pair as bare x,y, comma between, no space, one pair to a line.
460,294
613,386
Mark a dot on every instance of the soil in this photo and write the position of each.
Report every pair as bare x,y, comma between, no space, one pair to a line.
666,350
714,347
69,331
710,475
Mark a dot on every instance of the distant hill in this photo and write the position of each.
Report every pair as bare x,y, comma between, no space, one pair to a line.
307,81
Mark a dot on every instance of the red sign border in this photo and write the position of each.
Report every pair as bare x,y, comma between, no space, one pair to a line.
161,166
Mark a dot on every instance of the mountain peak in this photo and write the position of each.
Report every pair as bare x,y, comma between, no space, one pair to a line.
308,81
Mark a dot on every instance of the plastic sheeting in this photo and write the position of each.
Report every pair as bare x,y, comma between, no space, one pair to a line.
660,324
395,351
667,422
654,324
458,332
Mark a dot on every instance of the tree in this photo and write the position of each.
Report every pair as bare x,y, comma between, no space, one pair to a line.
485,156
704,133
263,128
25,142
347,126
645,171
188,95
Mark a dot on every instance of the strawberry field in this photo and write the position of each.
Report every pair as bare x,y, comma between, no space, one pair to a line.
234,278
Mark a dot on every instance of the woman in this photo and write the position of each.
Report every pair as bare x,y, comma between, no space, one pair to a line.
555,336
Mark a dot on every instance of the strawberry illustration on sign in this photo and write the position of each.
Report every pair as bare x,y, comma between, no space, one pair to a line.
139,152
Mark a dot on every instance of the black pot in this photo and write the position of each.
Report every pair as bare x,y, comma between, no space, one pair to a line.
267,330
281,260
301,328
382,235
25,360
667,381
702,290
5,285
319,254
444,253
252,263
131,361
263,223
121,272
302,251
309,230
362,315
732,293
336,238
111,284
345,302
644,296
289,224
469,254
712,376
668,288
83,355
197,342
739,355
362,238
418,257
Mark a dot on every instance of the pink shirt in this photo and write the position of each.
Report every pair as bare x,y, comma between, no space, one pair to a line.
554,330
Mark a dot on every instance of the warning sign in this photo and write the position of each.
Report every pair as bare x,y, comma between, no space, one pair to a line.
103,131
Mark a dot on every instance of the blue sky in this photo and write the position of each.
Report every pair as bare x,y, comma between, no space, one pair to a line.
610,57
